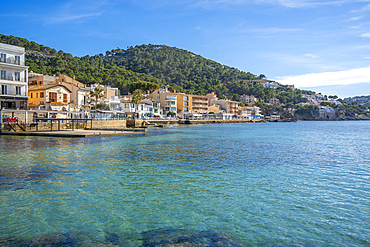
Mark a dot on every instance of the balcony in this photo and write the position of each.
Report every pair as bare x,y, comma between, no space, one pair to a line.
12,92
12,60
200,101
12,78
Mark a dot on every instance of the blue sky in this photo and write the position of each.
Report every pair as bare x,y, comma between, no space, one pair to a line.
318,45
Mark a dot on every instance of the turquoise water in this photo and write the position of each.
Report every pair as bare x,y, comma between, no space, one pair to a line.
268,184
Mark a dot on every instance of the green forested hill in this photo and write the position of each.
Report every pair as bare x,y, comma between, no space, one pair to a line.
181,70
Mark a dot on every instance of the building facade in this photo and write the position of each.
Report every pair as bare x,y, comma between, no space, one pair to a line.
14,77
248,99
210,97
184,103
49,97
167,100
228,106
199,103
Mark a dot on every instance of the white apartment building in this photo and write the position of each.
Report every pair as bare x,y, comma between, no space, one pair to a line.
14,77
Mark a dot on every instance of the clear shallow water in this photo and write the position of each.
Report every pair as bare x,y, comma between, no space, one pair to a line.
271,184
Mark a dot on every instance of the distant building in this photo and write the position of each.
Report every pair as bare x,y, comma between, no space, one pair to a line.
273,101
167,100
184,103
199,103
210,97
14,77
227,105
248,99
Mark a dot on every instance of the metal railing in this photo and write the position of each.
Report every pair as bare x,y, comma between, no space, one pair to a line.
11,60
13,92
12,78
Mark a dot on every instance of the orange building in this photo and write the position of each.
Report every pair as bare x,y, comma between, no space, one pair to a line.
48,95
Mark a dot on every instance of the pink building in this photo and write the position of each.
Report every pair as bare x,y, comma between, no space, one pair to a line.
273,101
210,97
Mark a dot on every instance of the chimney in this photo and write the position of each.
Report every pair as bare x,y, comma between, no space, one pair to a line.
174,91
74,77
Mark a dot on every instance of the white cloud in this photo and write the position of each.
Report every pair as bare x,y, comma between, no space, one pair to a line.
306,3
310,55
71,17
346,77
210,4
366,35
269,30
355,18
363,9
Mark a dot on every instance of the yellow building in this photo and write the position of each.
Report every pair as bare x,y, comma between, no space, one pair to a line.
49,95
184,103
167,100
199,103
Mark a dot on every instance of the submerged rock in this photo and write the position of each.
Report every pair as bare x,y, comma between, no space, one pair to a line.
113,238
11,241
173,237
69,239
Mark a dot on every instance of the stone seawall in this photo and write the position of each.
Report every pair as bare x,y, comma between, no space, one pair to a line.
47,126
166,122
111,124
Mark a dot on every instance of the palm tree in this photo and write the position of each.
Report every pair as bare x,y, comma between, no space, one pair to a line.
97,94
137,97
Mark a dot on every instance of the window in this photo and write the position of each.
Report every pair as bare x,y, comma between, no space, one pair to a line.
17,76
155,105
18,90
126,105
173,103
3,58
185,109
31,95
4,89
65,98
37,95
186,103
52,97
186,98
158,97
42,95
17,60
3,74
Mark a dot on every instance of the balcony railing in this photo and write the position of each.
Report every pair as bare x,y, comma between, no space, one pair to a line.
11,60
200,101
12,78
12,92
